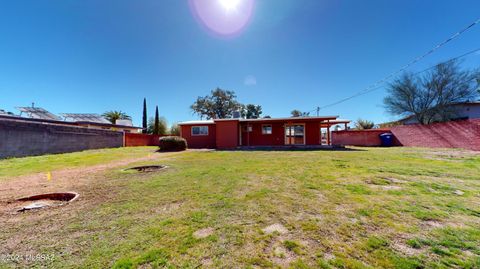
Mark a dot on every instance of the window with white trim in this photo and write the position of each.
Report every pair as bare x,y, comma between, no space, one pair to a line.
266,129
199,130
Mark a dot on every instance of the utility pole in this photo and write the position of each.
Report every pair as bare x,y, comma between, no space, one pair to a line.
318,111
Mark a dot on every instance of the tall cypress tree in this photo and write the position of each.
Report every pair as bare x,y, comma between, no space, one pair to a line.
144,119
156,126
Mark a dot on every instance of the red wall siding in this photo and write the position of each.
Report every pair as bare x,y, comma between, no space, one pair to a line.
454,134
367,138
312,132
277,138
256,138
201,141
227,134
138,140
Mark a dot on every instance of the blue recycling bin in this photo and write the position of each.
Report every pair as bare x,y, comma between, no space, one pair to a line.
386,139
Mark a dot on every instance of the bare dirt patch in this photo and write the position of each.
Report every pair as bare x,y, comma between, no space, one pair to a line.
395,180
275,228
459,192
203,233
432,224
407,250
450,155
282,256
391,187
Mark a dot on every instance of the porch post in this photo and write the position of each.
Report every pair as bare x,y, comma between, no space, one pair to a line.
328,133
240,134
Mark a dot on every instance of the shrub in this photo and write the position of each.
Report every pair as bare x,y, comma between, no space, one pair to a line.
172,143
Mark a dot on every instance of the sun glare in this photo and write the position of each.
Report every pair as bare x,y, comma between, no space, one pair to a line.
229,5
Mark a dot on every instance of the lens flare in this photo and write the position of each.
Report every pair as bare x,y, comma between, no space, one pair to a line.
229,4
225,18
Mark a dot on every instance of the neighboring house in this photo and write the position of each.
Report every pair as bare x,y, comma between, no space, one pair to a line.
6,113
95,121
267,132
88,120
461,111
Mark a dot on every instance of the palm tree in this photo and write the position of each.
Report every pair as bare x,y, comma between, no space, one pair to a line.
114,115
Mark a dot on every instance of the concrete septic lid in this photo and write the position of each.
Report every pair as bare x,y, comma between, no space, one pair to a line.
147,168
47,199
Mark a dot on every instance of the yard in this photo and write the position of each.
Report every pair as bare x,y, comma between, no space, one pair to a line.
358,208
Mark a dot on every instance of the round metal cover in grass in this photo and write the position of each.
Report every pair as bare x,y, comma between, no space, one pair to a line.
46,200
148,168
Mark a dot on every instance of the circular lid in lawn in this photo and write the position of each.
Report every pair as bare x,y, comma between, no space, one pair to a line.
147,168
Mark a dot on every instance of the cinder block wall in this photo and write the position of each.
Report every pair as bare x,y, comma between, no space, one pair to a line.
22,138
365,138
139,140
454,134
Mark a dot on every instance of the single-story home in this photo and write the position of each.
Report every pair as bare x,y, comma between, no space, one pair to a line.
265,132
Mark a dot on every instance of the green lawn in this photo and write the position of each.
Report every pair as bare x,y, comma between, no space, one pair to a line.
22,166
364,208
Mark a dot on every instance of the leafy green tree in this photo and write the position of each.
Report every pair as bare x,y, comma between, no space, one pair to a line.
144,117
430,97
175,130
252,111
220,104
114,115
162,125
298,113
362,124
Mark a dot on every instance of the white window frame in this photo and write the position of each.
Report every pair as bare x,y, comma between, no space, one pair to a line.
263,130
199,132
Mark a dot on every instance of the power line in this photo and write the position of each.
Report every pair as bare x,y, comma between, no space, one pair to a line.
377,85
380,86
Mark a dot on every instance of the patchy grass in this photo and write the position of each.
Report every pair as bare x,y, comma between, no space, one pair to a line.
332,206
22,166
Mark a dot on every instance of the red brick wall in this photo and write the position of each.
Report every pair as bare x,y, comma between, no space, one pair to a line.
227,134
366,138
453,134
138,140
200,141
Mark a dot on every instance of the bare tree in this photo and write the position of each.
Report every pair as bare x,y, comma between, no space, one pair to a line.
429,98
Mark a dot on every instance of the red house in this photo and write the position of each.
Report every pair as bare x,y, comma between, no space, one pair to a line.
266,132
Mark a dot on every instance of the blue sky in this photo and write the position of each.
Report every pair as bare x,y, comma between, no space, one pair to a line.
89,56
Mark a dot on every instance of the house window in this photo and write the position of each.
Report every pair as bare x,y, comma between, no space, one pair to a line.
199,130
266,129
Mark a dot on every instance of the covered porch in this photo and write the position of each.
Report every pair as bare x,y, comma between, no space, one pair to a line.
288,133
